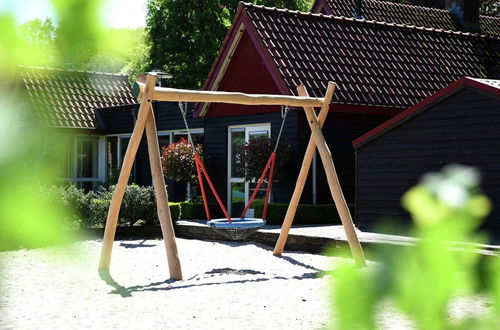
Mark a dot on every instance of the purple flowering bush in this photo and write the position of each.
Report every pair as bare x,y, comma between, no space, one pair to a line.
178,161
256,154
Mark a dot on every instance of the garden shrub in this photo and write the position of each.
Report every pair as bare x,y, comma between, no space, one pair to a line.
175,211
178,161
80,209
72,202
191,211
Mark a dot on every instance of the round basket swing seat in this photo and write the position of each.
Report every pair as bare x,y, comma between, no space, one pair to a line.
236,229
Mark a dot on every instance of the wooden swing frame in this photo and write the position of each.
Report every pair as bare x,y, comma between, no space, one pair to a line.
146,122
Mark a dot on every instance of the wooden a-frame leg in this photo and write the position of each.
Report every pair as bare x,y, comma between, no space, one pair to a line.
164,215
302,178
333,182
128,162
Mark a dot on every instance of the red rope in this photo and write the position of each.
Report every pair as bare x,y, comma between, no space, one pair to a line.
204,171
202,185
261,179
269,187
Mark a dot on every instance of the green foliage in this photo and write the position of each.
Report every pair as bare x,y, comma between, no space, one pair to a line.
178,161
91,209
175,211
25,218
185,36
123,51
256,155
422,281
193,210
306,213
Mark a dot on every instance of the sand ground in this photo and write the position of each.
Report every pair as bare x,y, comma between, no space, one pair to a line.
226,285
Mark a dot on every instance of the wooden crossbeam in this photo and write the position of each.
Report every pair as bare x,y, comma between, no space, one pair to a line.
173,94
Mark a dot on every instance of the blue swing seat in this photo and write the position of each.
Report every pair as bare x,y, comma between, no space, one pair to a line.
237,229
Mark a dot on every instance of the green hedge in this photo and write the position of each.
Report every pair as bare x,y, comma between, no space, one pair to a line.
80,209
139,206
306,214
196,210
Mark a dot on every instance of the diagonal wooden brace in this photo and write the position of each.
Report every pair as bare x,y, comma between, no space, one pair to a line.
333,183
304,171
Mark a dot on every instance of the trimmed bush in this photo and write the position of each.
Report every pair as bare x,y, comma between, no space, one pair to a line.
175,211
80,209
307,214
194,210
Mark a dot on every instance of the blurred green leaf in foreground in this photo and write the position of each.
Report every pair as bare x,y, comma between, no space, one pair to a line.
25,220
423,281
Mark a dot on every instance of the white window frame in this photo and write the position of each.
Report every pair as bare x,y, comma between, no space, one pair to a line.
248,128
169,133
100,154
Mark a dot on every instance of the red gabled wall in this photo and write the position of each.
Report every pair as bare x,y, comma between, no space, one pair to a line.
246,73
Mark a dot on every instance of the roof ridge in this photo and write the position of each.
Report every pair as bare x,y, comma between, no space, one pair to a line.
352,19
72,70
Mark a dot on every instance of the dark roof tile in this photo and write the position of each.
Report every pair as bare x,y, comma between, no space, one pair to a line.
385,11
66,98
376,63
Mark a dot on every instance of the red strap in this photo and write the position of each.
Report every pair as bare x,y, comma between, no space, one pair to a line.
202,186
269,187
204,172
261,179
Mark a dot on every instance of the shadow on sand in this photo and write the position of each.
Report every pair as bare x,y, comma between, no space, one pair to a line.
170,284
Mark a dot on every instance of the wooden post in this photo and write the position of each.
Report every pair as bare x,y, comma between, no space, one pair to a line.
333,182
304,171
128,162
167,228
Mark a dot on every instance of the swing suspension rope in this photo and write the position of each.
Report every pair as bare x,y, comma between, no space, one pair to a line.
202,172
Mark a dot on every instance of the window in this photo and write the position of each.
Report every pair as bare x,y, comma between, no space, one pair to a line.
86,158
78,160
117,147
239,191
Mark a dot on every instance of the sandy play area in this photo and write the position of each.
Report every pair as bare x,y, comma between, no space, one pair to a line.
227,285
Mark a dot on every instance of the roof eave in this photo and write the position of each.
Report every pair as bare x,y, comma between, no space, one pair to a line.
421,107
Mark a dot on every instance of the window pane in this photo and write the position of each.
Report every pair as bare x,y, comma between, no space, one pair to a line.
86,158
163,140
197,138
112,158
64,159
123,148
237,149
257,134
237,198
178,137
123,141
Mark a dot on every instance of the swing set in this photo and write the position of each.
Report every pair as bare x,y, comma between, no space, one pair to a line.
234,228
242,227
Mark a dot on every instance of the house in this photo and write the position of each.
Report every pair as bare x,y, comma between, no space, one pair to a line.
381,70
64,101
94,114
458,124
118,124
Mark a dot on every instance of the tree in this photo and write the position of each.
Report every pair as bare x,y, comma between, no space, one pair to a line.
186,35
39,36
